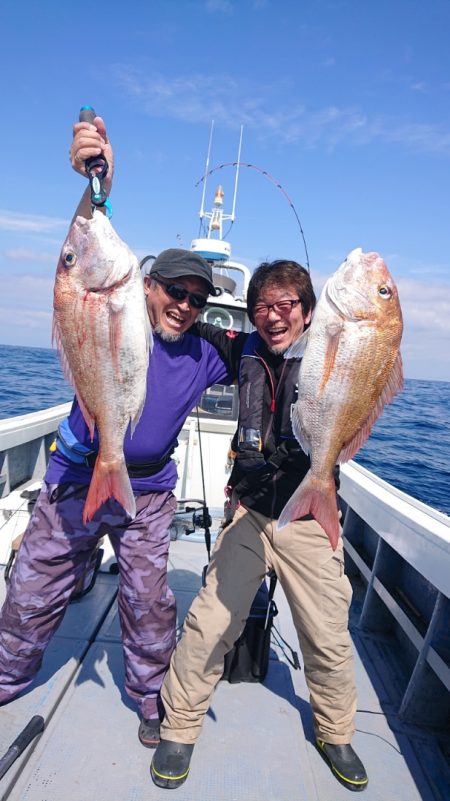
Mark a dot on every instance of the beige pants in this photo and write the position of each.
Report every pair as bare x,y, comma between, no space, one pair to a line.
318,594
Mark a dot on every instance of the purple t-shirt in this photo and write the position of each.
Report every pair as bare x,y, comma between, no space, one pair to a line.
178,374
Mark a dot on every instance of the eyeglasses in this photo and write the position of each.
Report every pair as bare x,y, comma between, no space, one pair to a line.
283,307
179,292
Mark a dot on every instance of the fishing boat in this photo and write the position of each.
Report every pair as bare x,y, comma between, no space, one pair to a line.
258,742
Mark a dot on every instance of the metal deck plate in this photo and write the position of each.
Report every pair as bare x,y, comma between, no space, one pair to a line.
257,743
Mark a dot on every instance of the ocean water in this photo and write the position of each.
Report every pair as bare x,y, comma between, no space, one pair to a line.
409,445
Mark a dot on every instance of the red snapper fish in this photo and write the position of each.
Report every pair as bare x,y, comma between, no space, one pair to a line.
351,367
101,329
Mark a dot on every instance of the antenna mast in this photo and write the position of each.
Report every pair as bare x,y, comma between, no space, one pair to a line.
213,246
217,216
202,208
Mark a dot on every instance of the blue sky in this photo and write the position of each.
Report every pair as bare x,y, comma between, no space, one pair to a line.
345,103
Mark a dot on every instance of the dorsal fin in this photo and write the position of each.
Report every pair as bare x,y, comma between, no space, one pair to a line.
393,385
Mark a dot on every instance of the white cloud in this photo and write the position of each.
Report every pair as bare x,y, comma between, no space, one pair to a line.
26,319
223,6
27,292
202,97
420,86
26,254
32,223
26,315
426,307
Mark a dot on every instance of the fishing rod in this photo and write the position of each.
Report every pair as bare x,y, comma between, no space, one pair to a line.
273,180
35,726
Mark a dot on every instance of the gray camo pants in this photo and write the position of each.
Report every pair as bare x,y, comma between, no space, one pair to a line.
50,561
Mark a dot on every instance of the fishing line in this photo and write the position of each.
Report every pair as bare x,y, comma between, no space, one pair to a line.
17,512
274,181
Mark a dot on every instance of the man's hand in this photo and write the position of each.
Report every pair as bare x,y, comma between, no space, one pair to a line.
91,140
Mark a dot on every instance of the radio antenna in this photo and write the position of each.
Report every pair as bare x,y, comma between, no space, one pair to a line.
202,208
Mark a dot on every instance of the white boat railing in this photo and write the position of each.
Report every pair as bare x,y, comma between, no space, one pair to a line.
401,549
398,546
24,444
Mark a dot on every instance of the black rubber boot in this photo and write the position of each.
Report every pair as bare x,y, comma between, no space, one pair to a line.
149,732
345,764
170,764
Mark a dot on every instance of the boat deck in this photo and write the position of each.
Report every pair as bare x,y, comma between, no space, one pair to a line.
257,744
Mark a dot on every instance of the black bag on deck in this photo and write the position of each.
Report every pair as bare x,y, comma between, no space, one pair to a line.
248,660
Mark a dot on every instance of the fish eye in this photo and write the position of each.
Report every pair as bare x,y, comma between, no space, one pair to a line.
70,258
384,291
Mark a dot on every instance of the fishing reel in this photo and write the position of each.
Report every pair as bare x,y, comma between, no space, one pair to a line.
199,518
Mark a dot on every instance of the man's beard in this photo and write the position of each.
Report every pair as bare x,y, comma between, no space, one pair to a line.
278,351
166,336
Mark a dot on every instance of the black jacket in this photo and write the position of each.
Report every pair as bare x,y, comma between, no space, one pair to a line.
267,489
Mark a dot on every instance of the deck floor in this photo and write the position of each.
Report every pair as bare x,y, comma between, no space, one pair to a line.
257,743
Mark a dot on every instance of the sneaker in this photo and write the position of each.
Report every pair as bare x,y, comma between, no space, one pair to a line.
170,764
149,732
345,764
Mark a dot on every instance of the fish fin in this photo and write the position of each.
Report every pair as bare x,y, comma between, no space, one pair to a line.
56,340
317,498
149,338
393,385
297,349
135,420
148,334
109,480
395,381
299,434
115,319
333,332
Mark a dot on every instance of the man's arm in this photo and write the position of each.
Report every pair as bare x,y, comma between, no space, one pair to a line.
228,343
90,140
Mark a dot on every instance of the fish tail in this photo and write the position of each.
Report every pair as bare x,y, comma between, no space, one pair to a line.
317,498
109,480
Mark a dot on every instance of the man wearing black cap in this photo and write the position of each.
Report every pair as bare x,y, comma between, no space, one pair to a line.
57,545
177,288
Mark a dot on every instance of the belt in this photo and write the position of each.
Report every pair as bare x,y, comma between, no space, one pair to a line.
141,470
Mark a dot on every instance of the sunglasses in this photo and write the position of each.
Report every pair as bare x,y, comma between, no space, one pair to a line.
179,292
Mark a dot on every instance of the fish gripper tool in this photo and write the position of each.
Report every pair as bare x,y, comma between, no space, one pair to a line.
96,166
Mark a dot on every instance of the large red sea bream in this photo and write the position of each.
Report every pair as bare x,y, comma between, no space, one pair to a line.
351,367
101,328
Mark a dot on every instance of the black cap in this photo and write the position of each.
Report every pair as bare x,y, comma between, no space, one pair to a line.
175,262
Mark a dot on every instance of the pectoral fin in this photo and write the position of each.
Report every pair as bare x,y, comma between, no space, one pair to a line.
333,332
